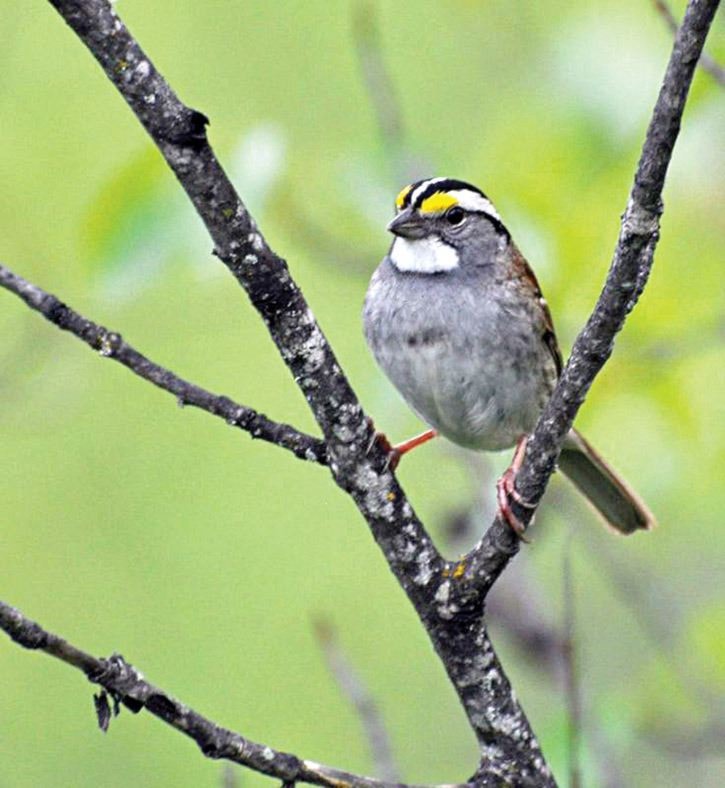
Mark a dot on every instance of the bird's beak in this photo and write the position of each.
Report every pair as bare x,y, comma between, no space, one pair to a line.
407,225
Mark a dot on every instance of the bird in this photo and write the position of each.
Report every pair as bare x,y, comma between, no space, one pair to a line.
455,318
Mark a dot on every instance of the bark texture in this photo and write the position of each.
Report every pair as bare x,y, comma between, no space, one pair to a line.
449,597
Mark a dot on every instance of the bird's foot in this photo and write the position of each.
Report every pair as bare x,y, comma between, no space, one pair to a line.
507,492
392,458
394,453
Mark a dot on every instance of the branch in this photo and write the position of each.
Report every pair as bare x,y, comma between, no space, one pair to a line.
127,685
447,597
180,135
453,620
625,281
707,64
110,344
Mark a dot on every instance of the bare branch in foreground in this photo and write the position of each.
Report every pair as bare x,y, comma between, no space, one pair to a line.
111,345
707,63
361,699
448,597
451,613
127,685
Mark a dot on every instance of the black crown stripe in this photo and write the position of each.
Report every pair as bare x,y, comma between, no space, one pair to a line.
447,185
411,191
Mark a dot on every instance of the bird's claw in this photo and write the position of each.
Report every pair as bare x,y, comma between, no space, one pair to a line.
392,455
506,491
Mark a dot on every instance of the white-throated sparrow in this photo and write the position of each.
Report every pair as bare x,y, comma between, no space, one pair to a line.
455,318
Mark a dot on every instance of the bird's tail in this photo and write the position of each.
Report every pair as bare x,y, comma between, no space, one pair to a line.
622,509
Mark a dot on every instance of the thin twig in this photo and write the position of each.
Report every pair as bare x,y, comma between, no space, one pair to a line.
514,606
127,685
707,63
518,605
683,740
381,90
229,777
571,672
608,760
324,246
110,344
361,699
405,165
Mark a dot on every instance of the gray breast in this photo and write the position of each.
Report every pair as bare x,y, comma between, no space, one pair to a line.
462,349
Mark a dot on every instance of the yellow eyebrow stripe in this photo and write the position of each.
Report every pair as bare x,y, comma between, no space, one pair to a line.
400,199
437,203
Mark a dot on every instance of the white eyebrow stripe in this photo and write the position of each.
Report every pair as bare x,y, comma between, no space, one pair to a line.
472,201
423,186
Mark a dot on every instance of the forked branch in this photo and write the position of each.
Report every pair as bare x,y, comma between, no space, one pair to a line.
457,630
448,597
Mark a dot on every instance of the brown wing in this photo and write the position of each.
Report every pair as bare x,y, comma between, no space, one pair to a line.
522,270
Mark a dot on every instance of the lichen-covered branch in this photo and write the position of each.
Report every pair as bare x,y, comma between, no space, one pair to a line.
112,345
179,132
456,628
449,598
128,686
628,274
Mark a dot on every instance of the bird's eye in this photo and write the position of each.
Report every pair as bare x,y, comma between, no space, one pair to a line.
455,215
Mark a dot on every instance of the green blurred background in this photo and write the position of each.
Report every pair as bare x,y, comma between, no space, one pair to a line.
133,525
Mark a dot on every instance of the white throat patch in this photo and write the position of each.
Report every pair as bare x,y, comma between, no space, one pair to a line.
423,256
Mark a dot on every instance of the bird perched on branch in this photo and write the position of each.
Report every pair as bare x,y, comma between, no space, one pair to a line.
455,318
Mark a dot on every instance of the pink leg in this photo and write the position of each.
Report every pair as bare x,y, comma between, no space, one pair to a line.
506,491
396,452
402,448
